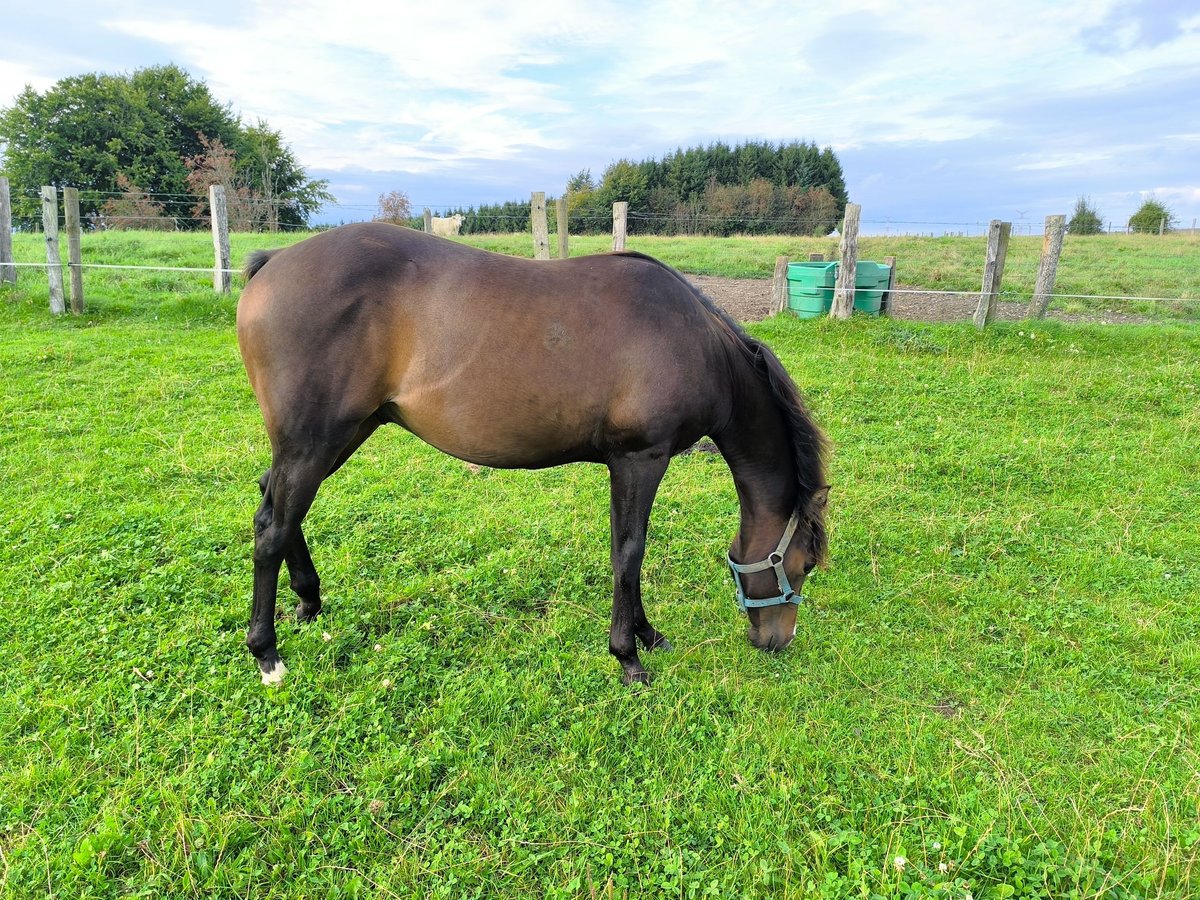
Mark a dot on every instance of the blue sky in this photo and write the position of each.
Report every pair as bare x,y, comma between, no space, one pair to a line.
944,114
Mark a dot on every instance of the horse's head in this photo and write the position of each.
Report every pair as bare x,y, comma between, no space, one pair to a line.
769,590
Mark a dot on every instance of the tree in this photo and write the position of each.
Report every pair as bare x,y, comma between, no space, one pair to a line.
86,130
1085,219
217,164
753,188
1152,215
624,181
276,177
581,182
394,207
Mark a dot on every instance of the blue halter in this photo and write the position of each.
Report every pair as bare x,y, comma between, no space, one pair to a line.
774,561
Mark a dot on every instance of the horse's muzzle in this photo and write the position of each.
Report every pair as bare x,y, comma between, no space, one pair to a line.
769,639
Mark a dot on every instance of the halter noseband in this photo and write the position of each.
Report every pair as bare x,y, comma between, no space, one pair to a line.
774,561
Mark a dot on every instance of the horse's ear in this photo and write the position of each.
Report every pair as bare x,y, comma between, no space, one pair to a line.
820,498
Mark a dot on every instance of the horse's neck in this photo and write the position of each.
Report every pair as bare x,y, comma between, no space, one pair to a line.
758,449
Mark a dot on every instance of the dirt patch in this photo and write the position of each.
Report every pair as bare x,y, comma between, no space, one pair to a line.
749,300
746,299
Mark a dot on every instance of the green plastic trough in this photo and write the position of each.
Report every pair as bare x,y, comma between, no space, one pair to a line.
811,285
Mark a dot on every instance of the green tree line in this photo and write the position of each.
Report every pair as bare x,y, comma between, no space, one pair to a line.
142,149
750,188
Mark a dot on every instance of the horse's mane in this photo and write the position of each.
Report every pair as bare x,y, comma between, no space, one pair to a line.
809,445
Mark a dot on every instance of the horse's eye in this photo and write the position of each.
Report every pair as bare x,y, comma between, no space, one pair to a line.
809,566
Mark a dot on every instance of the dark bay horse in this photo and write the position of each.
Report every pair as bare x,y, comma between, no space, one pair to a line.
516,363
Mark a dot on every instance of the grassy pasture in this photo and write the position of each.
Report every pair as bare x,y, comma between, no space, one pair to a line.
995,681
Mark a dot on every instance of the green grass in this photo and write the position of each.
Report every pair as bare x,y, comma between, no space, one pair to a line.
1150,266
997,673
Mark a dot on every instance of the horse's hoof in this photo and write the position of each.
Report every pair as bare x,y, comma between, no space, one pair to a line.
632,678
305,613
661,644
272,672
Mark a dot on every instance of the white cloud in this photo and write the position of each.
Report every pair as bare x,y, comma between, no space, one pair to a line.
1064,161
417,86
489,92
14,77
1189,196
343,77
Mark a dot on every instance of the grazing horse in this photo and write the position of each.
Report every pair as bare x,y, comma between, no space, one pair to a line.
523,364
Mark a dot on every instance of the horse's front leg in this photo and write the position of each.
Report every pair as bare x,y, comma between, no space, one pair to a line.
634,480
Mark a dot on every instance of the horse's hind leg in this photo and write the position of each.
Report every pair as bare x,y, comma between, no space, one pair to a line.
302,573
297,470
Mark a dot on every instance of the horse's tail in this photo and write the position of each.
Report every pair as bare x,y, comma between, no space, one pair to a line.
256,261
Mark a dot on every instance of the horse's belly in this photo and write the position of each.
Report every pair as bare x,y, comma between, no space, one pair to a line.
502,433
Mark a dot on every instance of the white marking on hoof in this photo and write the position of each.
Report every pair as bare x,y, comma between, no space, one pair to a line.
274,678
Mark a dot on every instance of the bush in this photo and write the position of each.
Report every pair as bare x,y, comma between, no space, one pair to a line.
1085,219
1152,215
133,210
396,208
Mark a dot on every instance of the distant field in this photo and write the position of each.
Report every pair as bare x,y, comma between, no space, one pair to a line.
993,691
1104,265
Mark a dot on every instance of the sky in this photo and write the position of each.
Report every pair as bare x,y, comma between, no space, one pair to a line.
944,114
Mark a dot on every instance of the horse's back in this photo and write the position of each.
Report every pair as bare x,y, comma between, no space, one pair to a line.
492,358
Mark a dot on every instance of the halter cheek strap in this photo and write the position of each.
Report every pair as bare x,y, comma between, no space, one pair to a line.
774,561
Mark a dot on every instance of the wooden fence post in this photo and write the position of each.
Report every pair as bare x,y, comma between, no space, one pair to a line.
816,257
541,231
1051,251
993,271
428,214
8,272
560,208
620,213
220,234
885,302
74,252
843,295
779,287
58,304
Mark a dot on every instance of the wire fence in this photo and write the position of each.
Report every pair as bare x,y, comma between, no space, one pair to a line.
186,207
